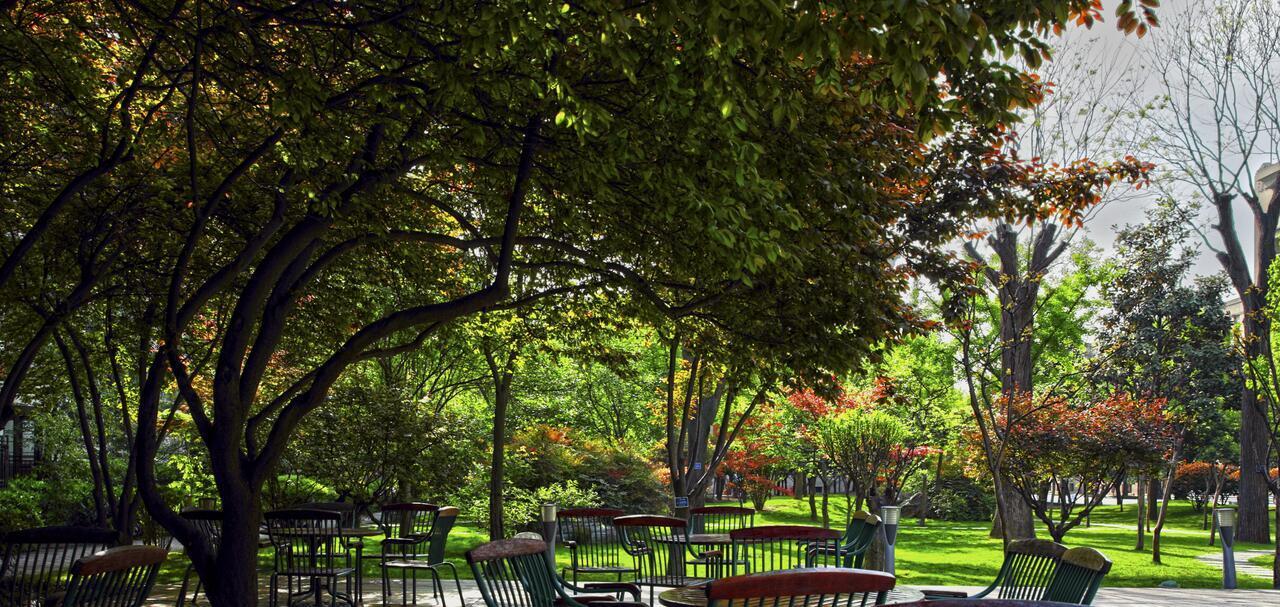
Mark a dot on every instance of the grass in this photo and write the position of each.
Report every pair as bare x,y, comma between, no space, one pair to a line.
949,553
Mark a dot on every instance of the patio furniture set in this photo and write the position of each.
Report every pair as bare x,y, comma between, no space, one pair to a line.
716,558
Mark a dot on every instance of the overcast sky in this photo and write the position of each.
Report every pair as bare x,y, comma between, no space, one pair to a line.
1123,72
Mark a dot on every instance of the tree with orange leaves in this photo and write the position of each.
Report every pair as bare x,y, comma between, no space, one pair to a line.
1080,452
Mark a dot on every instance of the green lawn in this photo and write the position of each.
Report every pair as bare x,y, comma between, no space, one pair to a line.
960,554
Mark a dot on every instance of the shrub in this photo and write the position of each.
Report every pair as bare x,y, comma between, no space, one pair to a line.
20,504
961,499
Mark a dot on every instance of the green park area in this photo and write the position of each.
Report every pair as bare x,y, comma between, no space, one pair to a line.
873,295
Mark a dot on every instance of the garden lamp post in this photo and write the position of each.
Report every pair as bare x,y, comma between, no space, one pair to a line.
1226,518
890,515
549,532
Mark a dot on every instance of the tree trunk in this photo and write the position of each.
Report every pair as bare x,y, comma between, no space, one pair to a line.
1154,489
497,464
826,507
232,578
813,498
1164,507
1252,285
1142,514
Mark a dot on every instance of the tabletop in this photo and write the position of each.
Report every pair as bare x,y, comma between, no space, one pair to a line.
701,539
696,596
349,532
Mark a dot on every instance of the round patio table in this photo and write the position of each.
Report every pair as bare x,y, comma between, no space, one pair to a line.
329,534
696,596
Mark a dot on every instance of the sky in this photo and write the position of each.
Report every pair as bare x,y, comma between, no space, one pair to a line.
1123,71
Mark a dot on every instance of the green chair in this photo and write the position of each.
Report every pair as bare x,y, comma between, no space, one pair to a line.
118,577
516,573
1078,577
1029,567
858,536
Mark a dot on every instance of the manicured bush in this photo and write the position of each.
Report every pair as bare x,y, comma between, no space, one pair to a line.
961,499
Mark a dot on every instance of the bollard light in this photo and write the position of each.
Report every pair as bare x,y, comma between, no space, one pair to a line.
549,532
890,515
1226,519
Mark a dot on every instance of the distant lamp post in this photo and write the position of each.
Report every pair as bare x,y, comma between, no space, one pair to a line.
1226,519
890,515
549,531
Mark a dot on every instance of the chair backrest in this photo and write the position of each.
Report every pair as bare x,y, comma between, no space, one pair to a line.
119,577
513,573
596,541
1078,577
37,562
409,519
305,539
348,511
782,547
826,587
1029,565
720,519
208,523
658,544
858,537
445,519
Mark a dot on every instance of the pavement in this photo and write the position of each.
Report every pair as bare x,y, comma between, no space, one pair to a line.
1107,597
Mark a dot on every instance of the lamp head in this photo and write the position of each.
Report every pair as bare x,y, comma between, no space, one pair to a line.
890,514
549,513
1226,517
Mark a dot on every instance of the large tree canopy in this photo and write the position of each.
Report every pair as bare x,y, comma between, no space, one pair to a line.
242,200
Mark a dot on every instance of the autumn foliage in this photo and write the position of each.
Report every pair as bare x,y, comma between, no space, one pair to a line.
1081,452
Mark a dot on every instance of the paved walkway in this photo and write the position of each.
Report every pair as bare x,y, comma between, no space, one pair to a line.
1243,566
1107,597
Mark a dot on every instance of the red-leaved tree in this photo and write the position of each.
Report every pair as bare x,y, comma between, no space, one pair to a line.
1063,458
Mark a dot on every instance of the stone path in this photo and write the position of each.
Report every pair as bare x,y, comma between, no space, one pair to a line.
1107,597
1243,566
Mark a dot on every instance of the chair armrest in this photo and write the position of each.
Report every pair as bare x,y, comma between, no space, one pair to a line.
570,544
626,587
619,604
944,594
706,554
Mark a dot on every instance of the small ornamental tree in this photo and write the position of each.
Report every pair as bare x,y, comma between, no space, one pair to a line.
1081,453
874,450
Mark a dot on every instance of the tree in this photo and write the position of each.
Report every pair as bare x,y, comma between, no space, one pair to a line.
1081,453
1017,275
250,182
1166,339
1214,124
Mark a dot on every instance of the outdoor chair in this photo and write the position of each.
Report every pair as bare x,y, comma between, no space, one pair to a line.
720,519
37,562
782,547
858,536
517,573
350,520
308,548
1029,565
421,533
717,520
593,542
208,524
118,577
1078,577
660,548
801,587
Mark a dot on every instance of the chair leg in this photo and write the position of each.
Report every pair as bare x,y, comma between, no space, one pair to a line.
182,590
386,585
272,591
437,589
458,582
